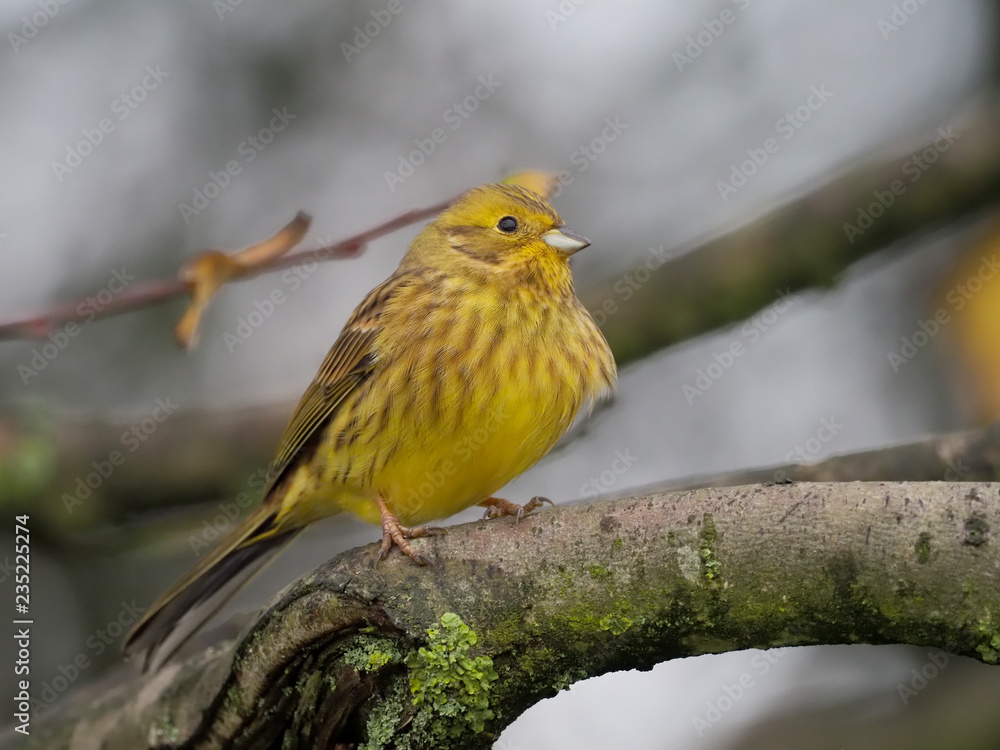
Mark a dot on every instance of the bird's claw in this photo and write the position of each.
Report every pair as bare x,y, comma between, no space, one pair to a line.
497,507
393,533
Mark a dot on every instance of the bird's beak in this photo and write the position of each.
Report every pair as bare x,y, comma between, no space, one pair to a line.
565,240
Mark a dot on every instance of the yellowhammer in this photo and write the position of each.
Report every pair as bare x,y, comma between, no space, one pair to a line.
451,378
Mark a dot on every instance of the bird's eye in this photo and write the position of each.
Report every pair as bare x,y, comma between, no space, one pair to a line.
507,225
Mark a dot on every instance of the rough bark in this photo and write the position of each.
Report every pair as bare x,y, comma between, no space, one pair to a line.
566,594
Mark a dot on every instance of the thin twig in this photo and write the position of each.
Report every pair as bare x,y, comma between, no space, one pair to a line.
149,293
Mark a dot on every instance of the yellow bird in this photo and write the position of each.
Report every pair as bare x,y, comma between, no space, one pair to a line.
451,378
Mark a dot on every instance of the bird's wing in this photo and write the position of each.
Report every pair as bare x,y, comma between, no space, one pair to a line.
348,364
192,600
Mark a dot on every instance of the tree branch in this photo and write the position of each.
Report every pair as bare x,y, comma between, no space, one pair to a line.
263,257
567,594
804,244
965,456
150,293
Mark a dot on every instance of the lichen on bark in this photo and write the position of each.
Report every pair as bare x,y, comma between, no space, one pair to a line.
353,654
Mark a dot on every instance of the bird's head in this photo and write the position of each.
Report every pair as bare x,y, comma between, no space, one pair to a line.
499,229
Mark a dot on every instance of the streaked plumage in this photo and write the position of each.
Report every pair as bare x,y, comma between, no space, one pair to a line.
450,379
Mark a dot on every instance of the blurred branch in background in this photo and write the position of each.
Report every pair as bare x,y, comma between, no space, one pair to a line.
205,273
201,457
210,270
113,516
64,470
806,243
146,294
966,456
354,654
86,473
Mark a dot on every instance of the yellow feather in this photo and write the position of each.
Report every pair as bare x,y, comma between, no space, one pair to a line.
450,379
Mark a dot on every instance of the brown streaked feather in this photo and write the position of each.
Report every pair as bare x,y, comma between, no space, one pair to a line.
203,590
349,362
193,599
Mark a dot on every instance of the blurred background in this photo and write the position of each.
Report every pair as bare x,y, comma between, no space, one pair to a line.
793,210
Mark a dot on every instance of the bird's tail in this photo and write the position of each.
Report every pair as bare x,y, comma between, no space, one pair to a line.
201,592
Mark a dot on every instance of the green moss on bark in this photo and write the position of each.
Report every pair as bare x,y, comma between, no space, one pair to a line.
450,688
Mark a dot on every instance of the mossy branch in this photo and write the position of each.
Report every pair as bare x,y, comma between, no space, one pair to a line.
408,657
805,244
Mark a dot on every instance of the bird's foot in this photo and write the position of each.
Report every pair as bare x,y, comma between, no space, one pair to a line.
394,533
497,507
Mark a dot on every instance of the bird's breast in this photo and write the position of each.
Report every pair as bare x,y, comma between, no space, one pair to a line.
477,393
